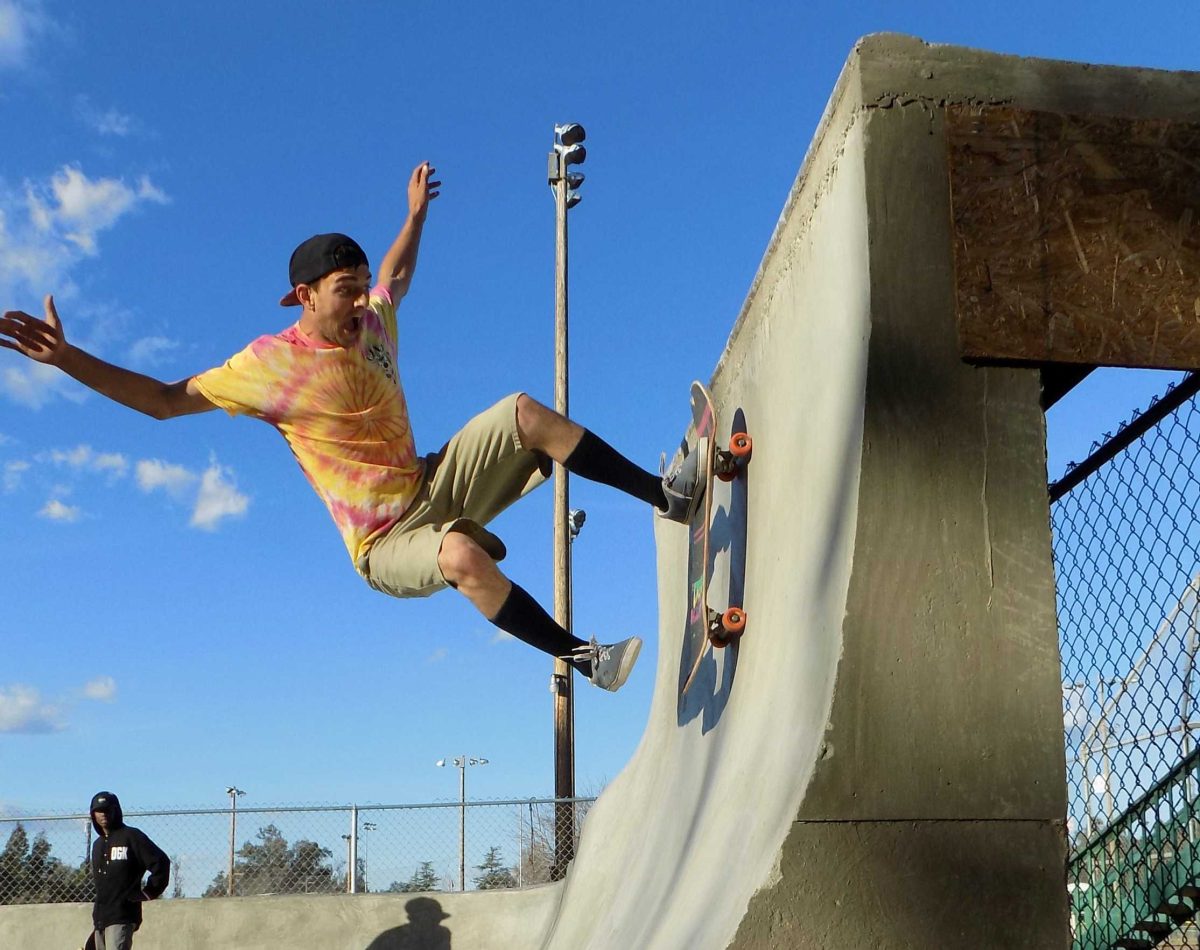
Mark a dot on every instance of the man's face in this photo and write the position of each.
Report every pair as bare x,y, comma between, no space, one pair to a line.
101,820
335,307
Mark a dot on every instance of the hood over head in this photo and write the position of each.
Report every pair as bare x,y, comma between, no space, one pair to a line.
110,805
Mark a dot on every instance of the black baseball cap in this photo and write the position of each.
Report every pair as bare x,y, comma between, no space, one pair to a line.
321,254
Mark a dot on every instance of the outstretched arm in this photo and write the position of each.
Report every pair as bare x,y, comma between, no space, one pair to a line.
401,259
45,342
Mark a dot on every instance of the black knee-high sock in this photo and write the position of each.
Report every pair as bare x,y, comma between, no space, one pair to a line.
524,618
595,459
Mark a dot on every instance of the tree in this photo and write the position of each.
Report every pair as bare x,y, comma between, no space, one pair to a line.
494,875
424,879
30,874
273,867
536,833
13,883
360,881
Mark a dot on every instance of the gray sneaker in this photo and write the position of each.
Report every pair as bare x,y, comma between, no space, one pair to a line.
611,663
682,486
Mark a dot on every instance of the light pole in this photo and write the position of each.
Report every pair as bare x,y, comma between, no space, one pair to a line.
367,826
234,793
349,839
568,150
461,762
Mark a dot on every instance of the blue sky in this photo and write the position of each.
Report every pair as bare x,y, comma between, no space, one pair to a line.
178,611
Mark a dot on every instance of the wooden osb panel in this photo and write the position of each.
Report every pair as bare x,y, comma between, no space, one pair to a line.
1076,239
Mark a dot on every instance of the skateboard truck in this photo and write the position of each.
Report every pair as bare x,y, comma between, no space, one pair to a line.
729,461
724,628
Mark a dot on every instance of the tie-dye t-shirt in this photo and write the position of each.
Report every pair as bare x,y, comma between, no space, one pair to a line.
342,412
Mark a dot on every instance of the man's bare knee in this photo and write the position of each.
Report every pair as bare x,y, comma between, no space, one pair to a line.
544,430
462,560
470,570
532,419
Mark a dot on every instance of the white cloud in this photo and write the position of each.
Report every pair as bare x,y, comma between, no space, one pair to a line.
501,636
218,499
150,350
20,22
112,462
12,474
212,495
32,384
84,458
23,710
75,458
102,689
46,228
78,208
216,495
153,474
437,655
55,510
104,121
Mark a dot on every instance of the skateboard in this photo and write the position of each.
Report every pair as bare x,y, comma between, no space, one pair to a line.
706,626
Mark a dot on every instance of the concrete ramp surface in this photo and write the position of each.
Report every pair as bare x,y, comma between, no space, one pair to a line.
676,846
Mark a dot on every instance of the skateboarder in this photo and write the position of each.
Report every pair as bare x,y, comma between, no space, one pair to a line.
330,385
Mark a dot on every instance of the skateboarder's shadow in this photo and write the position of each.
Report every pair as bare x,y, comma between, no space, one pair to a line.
709,693
424,930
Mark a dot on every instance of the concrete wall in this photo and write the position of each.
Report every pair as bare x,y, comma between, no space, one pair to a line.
487,920
935,815
935,812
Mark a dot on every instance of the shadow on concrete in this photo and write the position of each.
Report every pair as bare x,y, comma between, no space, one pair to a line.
710,692
424,930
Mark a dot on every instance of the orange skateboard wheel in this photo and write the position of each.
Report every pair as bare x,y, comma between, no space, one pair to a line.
740,444
733,621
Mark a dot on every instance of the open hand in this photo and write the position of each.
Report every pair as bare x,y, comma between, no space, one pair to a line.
40,340
421,190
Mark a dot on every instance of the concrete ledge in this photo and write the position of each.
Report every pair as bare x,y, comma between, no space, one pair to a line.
485,920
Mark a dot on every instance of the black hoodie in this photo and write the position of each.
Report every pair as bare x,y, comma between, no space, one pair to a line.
119,860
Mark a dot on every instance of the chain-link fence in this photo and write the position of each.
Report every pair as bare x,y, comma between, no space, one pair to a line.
294,850
1126,538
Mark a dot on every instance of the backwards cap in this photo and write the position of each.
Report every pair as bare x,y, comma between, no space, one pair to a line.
321,254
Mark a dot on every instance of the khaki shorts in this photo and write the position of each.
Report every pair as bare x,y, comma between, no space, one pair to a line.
475,476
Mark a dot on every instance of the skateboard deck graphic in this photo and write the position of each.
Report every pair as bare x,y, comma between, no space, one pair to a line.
706,626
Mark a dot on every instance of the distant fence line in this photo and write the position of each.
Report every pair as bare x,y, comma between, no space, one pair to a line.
475,845
1127,572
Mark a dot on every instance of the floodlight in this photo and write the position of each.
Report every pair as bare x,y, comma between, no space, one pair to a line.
573,155
570,134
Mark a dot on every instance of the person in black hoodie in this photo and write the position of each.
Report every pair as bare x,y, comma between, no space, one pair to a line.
121,856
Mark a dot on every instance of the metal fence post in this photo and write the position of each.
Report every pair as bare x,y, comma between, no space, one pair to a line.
352,876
